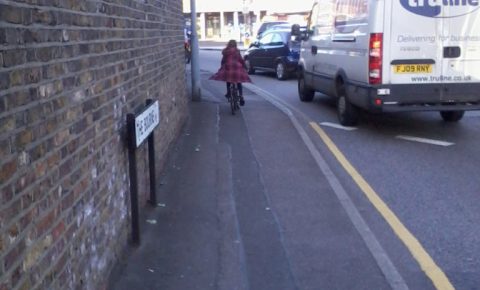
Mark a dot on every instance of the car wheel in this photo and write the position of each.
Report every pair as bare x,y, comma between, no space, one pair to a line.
281,71
305,93
452,116
250,68
347,112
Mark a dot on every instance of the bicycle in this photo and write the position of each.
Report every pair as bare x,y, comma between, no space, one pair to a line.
234,98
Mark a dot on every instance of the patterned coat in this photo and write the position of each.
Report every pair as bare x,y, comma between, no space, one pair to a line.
233,68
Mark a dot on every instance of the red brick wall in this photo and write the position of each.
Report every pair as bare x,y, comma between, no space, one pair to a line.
70,71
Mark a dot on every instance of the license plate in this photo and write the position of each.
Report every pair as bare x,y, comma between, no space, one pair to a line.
412,68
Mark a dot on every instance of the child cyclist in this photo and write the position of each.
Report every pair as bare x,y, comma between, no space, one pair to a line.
232,69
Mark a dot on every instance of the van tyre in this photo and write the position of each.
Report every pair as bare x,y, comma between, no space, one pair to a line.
347,112
452,116
248,65
305,93
281,71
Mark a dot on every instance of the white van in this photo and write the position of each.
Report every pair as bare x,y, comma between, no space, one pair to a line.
393,55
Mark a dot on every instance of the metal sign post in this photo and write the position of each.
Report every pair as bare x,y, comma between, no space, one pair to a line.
139,128
151,163
195,63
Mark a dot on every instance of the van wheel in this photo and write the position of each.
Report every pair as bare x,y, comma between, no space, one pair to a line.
250,68
281,71
452,116
347,112
305,93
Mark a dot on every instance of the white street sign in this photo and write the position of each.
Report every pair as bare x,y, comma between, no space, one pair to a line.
146,122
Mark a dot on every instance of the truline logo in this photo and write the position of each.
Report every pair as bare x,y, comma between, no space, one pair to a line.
441,8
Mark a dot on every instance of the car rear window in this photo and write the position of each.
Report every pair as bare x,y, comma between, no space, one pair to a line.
267,25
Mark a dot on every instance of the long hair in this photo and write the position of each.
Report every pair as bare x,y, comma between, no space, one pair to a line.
232,44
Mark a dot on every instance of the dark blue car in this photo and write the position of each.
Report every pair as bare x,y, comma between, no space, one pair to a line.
275,51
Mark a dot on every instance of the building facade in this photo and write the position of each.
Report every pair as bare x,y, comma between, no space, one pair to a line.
70,71
219,19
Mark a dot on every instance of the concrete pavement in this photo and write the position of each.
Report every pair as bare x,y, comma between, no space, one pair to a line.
244,206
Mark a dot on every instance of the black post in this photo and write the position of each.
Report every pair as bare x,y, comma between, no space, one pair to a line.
151,164
132,160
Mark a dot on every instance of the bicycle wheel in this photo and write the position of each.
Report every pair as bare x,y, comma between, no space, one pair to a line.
232,98
237,102
236,97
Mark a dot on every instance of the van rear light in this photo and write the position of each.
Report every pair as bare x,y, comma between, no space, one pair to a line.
375,58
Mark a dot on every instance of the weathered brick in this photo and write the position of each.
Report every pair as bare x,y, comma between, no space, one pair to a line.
33,75
55,35
31,56
15,35
24,138
4,80
24,181
18,99
46,222
33,35
61,137
44,54
3,36
74,66
4,146
14,254
38,151
58,231
35,114
53,71
7,124
11,14
20,119
16,78
3,105
53,159
44,17
6,194
14,57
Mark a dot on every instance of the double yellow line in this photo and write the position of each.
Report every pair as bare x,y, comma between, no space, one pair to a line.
436,275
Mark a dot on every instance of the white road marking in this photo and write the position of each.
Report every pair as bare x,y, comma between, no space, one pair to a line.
425,140
338,126
472,114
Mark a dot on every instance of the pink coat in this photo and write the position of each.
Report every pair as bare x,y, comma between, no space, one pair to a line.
233,68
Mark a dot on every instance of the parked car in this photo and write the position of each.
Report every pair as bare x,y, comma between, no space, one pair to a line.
267,25
284,26
392,56
276,51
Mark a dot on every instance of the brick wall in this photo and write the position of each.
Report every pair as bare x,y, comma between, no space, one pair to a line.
70,71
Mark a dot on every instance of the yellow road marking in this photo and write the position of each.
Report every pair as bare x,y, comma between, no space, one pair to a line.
436,275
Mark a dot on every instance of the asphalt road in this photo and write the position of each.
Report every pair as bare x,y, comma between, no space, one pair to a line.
424,170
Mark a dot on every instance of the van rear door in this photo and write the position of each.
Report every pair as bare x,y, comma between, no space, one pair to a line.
414,45
461,45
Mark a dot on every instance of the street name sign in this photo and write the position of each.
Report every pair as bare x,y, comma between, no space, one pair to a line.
146,122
